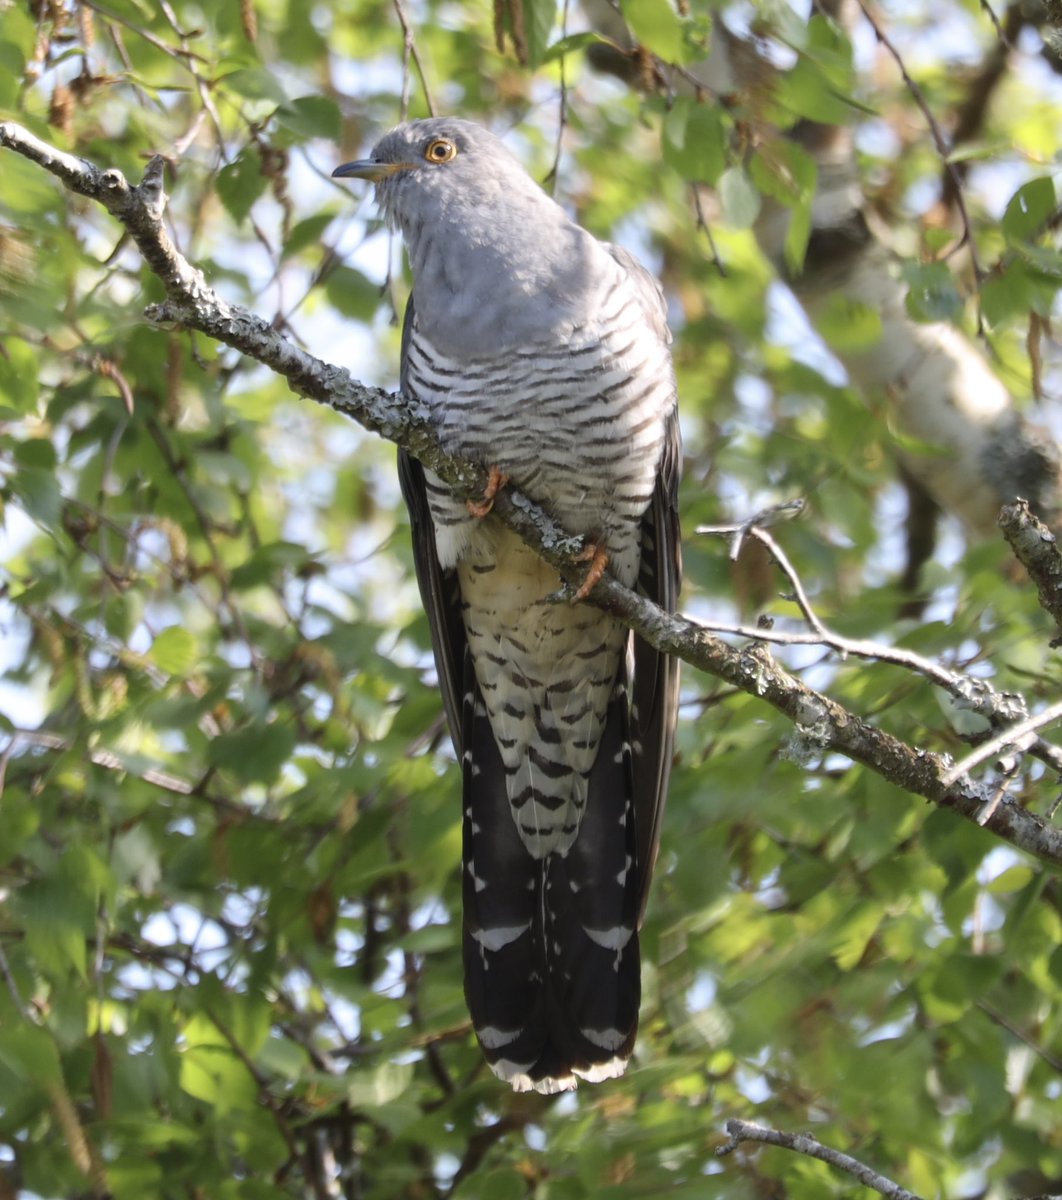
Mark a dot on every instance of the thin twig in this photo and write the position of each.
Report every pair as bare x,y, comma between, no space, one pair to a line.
804,1143
991,13
975,694
12,985
1054,1061
184,56
971,115
702,224
201,85
1014,735
410,51
154,776
562,115
262,1083
938,139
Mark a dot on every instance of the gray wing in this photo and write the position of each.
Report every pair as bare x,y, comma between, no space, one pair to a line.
439,589
654,695
655,691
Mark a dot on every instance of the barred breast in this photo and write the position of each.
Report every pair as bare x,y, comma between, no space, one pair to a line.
578,426
577,423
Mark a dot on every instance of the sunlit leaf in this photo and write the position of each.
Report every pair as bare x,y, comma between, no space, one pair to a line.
658,27
19,373
175,650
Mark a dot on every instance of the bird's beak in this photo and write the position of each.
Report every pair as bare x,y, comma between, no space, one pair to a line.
367,168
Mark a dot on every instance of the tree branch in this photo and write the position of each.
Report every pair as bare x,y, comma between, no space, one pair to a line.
822,723
1001,709
804,1143
1036,548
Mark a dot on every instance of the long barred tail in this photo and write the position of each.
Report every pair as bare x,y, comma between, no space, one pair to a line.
552,972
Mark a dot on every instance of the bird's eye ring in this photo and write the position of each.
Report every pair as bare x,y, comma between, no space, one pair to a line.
440,150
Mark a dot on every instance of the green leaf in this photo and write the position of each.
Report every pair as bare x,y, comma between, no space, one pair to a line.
19,373
30,1053
784,171
660,29
372,1089
1029,209
57,941
21,820
214,1074
253,83
543,15
309,232
1006,294
130,1180
25,190
311,117
255,753
694,140
573,43
787,173
1011,880
241,183
821,85
932,294
797,238
850,945
847,325
16,47
270,563
496,1185
38,491
175,650
740,200
36,452
352,293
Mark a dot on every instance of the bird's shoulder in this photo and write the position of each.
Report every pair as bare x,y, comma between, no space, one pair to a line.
646,288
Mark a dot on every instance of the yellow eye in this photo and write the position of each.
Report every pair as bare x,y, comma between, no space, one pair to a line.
441,150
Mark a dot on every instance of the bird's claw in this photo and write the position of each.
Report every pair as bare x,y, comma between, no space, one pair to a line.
496,480
597,557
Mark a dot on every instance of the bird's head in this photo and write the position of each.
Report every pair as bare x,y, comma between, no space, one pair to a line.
441,166
494,259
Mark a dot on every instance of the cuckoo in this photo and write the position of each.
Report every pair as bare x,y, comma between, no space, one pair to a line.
543,354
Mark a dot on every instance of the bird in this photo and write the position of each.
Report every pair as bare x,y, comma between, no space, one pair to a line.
543,354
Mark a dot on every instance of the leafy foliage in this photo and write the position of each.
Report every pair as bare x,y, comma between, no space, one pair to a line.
229,820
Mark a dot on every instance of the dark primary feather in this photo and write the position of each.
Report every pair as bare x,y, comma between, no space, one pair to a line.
438,588
655,692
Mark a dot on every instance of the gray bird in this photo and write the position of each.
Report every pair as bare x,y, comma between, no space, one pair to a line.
543,354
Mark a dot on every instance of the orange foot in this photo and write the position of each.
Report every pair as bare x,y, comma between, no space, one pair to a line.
496,480
597,557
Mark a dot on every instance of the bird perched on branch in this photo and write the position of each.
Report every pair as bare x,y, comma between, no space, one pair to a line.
542,353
